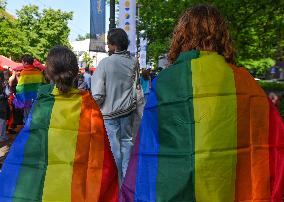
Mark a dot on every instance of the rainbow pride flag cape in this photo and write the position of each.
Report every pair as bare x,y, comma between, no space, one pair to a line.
208,134
62,154
26,90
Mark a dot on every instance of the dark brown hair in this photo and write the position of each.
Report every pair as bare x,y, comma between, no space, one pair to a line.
62,68
201,28
146,74
27,58
118,37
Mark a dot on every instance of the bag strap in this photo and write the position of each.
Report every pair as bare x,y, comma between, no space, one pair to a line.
137,75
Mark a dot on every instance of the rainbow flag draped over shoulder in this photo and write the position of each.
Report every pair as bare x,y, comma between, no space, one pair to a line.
31,78
62,154
208,134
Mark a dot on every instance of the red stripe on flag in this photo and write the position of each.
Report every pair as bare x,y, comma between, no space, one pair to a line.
109,186
276,155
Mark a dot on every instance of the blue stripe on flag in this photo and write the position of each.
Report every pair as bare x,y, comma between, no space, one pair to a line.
11,169
149,149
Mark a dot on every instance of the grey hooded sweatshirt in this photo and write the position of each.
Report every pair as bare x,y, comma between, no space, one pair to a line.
112,85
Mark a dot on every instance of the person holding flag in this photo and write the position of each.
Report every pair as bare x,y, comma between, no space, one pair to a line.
209,133
31,78
62,153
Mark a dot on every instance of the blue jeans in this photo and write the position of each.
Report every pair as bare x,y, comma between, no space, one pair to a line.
119,132
3,135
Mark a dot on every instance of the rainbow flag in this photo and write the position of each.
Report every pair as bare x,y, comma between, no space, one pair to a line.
61,154
26,90
208,134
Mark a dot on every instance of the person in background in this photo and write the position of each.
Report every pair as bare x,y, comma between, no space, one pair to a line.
8,91
30,79
274,72
16,114
112,88
274,98
3,109
82,85
62,153
209,133
145,80
87,77
153,74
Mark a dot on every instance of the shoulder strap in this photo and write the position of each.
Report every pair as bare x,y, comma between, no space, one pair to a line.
137,75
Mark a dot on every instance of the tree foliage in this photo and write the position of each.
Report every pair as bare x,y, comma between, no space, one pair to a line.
3,4
12,41
33,31
83,37
257,26
87,59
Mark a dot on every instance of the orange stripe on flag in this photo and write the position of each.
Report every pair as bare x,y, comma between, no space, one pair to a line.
31,73
252,177
88,163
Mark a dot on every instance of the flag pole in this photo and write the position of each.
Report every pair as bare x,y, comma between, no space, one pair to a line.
112,15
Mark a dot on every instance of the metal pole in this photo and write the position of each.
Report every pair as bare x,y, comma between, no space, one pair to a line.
112,14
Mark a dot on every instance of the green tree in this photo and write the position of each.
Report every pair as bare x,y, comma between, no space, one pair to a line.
12,40
87,59
33,31
44,29
83,37
3,4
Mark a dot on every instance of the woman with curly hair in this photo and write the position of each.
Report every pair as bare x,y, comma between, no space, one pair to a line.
208,132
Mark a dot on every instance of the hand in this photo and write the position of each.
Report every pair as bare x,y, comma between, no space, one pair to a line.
3,150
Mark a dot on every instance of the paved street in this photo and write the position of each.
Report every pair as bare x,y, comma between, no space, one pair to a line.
12,137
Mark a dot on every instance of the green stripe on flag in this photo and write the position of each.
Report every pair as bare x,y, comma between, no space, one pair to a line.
25,88
176,131
32,174
215,129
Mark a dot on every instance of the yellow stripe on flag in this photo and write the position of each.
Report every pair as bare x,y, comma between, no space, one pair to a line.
215,128
26,79
62,147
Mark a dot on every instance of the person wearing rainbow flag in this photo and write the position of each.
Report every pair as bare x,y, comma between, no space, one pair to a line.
212,135
31,78
62,153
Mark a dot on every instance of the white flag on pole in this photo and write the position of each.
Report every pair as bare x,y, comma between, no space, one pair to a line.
143,53
127,21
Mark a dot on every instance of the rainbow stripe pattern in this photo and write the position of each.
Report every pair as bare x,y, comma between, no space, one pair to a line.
61,154
208,134
31,78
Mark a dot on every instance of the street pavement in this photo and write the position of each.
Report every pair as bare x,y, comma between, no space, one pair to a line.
12,136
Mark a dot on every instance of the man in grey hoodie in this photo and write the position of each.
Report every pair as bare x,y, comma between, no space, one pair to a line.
112,88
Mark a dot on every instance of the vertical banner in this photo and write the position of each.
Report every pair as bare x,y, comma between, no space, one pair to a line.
97,26
127,21
143,53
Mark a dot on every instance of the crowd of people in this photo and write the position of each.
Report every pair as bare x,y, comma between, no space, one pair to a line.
13,109
208,132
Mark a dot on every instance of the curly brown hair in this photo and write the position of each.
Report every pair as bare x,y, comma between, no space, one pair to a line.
202,28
